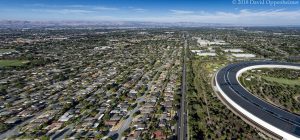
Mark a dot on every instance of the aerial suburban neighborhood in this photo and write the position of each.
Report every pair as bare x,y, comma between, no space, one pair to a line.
108,84
149,70
119,83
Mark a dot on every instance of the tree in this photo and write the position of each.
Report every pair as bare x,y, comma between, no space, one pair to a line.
3,127
99,136
44,138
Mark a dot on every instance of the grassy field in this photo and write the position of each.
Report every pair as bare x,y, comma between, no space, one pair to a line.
282,80
11,63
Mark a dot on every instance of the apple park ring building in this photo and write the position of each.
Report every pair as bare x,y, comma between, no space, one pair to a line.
273,121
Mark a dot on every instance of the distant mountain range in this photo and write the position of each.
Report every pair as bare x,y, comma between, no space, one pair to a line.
103,24
19,24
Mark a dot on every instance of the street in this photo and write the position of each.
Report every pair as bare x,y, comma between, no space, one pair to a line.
182,121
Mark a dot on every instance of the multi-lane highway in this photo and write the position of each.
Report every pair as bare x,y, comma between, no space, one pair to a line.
264,116
182,115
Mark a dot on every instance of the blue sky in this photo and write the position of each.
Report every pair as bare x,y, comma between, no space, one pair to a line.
254,12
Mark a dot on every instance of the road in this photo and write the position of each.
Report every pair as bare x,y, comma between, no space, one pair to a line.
61,134
127,122
182,120
270,119
16,129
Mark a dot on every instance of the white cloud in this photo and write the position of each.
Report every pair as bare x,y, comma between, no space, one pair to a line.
81,7
139,9
71,10
105,8
181,12
98,12
95,7
242,17
136,9
64,11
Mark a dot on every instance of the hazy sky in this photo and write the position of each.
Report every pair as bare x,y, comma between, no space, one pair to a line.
250,12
